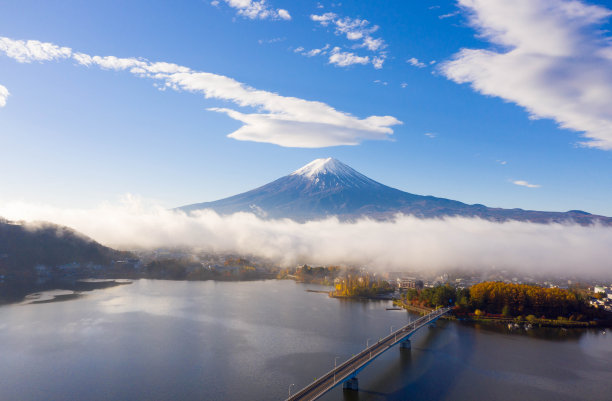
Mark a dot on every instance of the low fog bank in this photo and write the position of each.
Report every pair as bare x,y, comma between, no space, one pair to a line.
406,243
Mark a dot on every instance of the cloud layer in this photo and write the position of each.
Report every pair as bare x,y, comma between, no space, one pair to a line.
406,243
281,120
548,56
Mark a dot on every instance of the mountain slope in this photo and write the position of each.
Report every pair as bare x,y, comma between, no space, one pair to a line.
328,187
24,247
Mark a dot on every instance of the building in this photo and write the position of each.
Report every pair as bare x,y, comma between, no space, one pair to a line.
405,283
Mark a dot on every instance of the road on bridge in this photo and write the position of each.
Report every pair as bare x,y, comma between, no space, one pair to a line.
352,366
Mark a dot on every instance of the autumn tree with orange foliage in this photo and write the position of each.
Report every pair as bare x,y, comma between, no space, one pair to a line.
522,299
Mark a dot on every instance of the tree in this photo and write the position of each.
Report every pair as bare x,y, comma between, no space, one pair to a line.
506,311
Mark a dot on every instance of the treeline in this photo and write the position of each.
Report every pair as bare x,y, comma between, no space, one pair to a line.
324,275
441,295
522,299
508,300
365,286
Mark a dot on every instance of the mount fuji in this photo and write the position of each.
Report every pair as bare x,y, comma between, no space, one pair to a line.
328,187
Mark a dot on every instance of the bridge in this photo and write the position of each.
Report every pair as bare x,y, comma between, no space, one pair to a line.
346,372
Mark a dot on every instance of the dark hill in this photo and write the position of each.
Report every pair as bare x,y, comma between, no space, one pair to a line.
59,252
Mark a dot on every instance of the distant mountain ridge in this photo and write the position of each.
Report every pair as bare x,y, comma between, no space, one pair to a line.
328,187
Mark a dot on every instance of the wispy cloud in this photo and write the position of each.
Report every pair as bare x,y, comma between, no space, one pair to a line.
404,243
281,120
502,162
551,57
355,30
430,135
525,183
4,94
449,15
416,63
269,41
313,52
256,9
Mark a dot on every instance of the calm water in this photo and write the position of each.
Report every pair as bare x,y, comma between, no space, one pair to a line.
162,340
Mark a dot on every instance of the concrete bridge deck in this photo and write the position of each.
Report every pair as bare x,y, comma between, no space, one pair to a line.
347,371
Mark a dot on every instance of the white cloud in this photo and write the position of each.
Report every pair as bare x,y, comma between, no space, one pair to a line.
32,50
377,61
313,52
430,135
256,9
344,59
404,85
525,183
284,14
549,56
502,162
373,44
281,120
404,243
355,29
323,19
4,94
415,62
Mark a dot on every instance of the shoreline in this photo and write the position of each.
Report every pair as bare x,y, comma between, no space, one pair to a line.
510,321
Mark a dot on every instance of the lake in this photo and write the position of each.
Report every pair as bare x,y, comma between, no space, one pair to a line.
177,340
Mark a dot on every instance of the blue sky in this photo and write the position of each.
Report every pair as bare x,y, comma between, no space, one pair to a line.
438,99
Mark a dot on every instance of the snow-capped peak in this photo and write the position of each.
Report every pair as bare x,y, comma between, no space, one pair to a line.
323,166
332,173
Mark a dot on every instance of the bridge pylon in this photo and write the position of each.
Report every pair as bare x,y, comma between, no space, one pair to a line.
351,384
406,344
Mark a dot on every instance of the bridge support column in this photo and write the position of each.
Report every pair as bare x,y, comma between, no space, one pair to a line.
405,344
432,325
351,384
